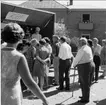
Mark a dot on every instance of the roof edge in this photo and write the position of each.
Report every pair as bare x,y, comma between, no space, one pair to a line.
61,4
29,8
87,9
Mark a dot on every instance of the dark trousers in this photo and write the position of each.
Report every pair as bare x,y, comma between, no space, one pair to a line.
64,66
97,64
85,72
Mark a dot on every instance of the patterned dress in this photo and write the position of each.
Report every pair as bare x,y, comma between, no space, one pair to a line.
40,69
10,79
30,54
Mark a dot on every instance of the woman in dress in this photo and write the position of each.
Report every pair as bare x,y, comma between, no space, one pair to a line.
14,66
40,65
30,54
48,46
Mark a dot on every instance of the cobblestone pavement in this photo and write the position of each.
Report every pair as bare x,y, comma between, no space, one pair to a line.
97,96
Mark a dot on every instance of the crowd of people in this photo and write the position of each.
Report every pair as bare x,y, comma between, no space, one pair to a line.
31,59
88,60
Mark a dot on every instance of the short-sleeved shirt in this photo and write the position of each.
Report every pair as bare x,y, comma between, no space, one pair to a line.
65,51
97,49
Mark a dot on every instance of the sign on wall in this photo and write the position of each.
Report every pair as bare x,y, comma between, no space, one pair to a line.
16,16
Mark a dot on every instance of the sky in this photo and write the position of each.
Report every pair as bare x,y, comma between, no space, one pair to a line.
76,3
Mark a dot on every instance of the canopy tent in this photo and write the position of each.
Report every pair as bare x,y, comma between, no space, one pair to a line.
29,17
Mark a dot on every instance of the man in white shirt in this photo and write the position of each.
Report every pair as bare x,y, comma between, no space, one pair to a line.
36,35
97,50
84,62
65,60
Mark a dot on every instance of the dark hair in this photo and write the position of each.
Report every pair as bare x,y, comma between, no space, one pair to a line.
37,44
25,42
20,46
42,42
47,39
63,38
90,42
12,33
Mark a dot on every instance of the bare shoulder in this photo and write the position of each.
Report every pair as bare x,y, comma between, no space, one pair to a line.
18,54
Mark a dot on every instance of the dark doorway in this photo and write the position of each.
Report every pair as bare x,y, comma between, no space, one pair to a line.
86,36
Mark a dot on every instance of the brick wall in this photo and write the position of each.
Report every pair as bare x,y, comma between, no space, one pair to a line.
98,17
73,17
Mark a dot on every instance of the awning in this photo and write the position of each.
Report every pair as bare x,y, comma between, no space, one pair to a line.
35,17
30,17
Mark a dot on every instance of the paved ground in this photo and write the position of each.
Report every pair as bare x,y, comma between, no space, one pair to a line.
97,97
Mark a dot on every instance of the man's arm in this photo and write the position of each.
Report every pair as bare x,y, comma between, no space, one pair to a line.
57,50
34,51
60,55
78,57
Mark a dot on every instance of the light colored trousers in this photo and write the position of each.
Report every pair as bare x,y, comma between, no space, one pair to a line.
56,69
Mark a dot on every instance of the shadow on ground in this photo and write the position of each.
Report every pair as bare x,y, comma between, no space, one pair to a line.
101,77
74,86
29,95
101,102
51,93
75,103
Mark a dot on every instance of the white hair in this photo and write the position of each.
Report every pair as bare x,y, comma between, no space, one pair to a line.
83,40
96,40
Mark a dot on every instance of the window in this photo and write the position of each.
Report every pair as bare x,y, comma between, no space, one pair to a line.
85,35
86,18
